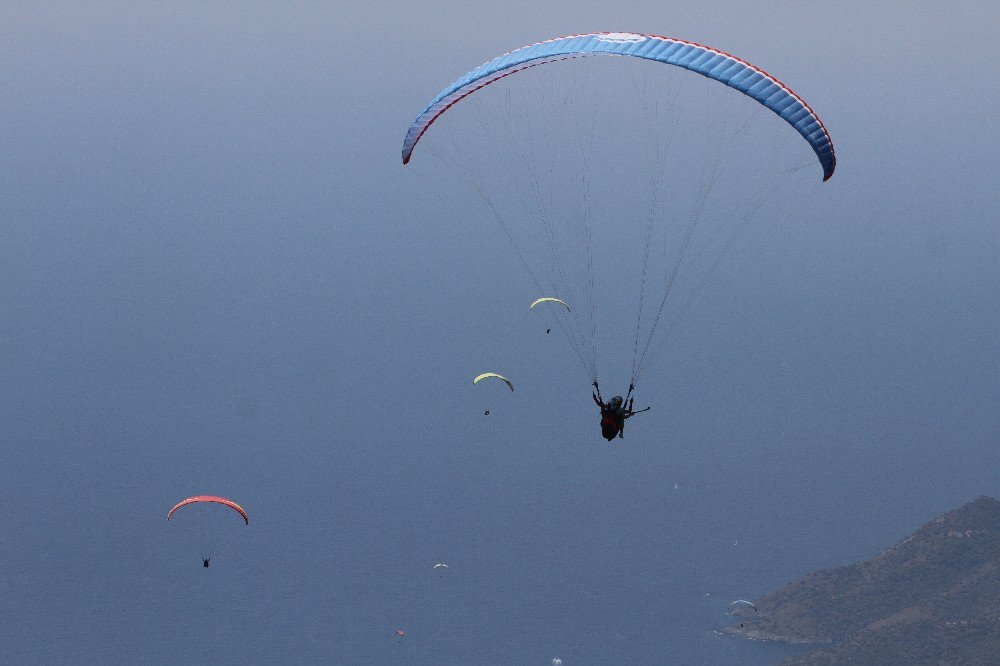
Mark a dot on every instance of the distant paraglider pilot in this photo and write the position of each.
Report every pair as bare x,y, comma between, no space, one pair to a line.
205,561
614,413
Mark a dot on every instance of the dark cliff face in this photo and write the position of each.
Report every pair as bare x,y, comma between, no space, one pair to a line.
935,593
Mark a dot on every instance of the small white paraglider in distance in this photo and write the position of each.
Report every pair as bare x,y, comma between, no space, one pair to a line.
440,565
739,607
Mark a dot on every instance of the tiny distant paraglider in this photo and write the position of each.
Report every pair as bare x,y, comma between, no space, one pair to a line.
492,375
549,299
440,565
741,607
400,633
210,499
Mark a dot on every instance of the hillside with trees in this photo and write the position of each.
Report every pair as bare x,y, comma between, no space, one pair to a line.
932,598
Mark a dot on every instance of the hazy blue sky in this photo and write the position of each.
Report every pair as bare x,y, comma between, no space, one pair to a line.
217,277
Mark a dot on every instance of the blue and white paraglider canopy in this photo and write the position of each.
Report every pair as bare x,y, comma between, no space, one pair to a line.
712,63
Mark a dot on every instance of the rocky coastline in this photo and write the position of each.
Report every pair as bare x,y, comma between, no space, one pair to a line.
930,598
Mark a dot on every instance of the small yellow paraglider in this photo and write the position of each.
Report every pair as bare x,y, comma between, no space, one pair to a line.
487,375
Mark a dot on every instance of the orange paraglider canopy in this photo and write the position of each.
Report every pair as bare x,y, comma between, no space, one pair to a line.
211,498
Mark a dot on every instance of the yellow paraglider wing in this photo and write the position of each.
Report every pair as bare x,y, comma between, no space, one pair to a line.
549,299
485,375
